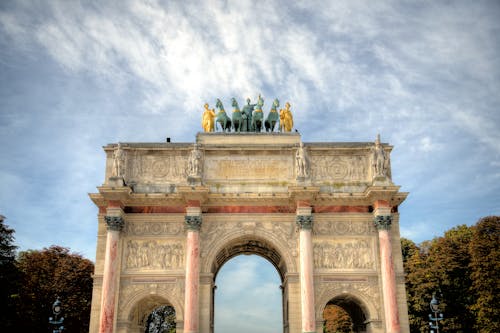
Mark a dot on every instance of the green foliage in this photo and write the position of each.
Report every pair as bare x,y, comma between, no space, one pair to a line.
485,267
463,268
50,273
9,277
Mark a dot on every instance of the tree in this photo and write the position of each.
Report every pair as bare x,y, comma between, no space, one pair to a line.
485,267
9,276
337,320
50,273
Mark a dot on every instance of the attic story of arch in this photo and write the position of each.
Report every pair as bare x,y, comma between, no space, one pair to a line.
248,119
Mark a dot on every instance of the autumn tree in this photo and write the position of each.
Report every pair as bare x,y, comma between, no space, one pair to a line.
8,277
337,320
485,267
50,273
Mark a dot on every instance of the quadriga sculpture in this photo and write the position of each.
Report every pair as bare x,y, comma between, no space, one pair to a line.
258,116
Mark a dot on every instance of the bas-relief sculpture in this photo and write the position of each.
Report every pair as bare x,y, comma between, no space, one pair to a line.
154,254
344,254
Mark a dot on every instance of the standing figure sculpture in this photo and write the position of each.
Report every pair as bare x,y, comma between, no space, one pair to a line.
118,161
272,117
380,159
247,116
286,119
258,115
207,121
237,117
301,162
222,118
194,162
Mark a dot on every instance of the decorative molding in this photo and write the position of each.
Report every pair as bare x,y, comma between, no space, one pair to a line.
342,228
383,222
115,223
193,222
304,222
153,229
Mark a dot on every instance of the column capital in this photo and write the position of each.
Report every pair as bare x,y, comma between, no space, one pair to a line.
115,223
193,222
304,222
383,222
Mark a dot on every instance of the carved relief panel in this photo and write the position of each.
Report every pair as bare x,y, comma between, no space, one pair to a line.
144,167
153,255
340,168
344,254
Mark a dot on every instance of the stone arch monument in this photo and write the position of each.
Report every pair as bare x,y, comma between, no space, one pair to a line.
324,214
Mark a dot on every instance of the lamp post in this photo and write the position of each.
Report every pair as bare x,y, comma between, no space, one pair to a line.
436,314
56,321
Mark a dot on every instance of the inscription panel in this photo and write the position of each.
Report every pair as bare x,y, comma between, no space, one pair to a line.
264,167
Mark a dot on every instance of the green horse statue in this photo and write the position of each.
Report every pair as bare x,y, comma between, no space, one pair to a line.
237,117
258,115
222,118
273,116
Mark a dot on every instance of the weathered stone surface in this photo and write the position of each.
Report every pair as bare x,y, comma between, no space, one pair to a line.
178,212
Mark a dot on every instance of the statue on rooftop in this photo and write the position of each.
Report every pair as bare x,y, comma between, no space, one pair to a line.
247,116
272,117
258,115
286,119
207,122
222,117
118,161
380,160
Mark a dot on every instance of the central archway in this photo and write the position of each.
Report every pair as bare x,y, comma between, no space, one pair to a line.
251,245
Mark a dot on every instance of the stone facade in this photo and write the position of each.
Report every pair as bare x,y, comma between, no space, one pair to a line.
173,213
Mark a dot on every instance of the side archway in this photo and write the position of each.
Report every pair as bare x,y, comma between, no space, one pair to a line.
363,312
141,302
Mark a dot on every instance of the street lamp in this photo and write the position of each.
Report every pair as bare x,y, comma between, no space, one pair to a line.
438,315
56,321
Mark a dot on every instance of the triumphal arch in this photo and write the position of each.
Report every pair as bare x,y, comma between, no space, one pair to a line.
325,214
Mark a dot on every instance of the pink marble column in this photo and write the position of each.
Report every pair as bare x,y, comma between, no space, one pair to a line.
383,224
191,303
304,222
109,279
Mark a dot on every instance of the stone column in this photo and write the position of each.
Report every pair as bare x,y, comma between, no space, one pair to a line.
305,222
109,279
191,301
383,220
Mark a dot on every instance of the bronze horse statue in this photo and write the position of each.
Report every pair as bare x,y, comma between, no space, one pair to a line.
237,117
222,118
258,116
273,117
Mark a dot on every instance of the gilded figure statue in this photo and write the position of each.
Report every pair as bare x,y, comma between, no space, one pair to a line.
207,122
286,119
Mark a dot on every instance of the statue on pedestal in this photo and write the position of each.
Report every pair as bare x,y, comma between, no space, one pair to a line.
118,162
194,163
207,122
301,162
380,160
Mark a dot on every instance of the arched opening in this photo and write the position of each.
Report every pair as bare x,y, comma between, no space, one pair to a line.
344,314
249,279
153,314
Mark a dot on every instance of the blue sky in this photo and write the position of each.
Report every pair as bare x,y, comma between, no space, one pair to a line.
78,75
